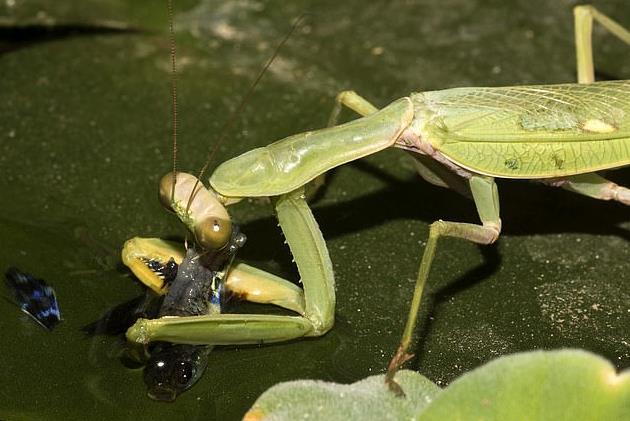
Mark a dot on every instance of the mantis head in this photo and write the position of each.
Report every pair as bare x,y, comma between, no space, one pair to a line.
198,208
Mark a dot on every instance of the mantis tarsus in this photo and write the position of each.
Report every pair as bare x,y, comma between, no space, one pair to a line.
462,138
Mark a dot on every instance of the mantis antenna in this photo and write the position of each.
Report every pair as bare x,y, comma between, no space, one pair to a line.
174,94
241,106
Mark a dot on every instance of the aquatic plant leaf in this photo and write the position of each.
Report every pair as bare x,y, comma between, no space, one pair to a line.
366,399
541,385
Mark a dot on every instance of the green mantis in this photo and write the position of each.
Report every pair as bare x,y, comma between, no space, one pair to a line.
194,282
461,138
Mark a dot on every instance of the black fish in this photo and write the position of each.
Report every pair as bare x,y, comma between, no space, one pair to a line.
34,297
117,320
174,368
195,290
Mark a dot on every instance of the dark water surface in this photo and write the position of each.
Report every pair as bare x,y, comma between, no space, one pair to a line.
84,138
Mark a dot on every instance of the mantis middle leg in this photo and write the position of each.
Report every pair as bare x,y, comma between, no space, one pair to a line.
353,101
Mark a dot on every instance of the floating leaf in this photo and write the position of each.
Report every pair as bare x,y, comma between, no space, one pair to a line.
536,386
366,399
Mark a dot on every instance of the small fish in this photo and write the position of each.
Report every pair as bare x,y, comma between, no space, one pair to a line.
195,288
174,368
34,297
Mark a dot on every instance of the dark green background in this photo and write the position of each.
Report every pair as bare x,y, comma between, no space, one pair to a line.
84,137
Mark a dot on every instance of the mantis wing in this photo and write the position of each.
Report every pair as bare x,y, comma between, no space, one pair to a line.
530,131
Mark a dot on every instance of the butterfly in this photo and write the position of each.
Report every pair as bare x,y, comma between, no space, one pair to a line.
34,297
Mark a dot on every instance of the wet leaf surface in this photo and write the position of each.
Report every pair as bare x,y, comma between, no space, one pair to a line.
541,385
84,137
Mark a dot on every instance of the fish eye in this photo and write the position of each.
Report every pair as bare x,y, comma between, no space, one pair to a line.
214,233
184,374
157,367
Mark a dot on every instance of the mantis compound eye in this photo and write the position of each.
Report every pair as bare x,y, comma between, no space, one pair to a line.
214,233
198,208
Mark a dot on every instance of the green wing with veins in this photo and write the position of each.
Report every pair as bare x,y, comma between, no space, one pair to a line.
530,131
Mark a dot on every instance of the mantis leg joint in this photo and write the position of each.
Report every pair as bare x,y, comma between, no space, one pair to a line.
488,233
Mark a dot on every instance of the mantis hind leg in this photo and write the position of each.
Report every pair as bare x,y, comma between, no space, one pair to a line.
485,195
595,186
584,16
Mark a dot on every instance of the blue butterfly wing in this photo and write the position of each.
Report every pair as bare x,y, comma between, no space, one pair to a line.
34,297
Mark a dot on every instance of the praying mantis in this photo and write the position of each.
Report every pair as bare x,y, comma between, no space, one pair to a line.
461,138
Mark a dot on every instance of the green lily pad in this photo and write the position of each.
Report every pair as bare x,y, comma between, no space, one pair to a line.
85,136
366,399
562,385
536,386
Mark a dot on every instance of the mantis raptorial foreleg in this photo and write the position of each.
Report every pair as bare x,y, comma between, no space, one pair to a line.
243,280
316,306
258,286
